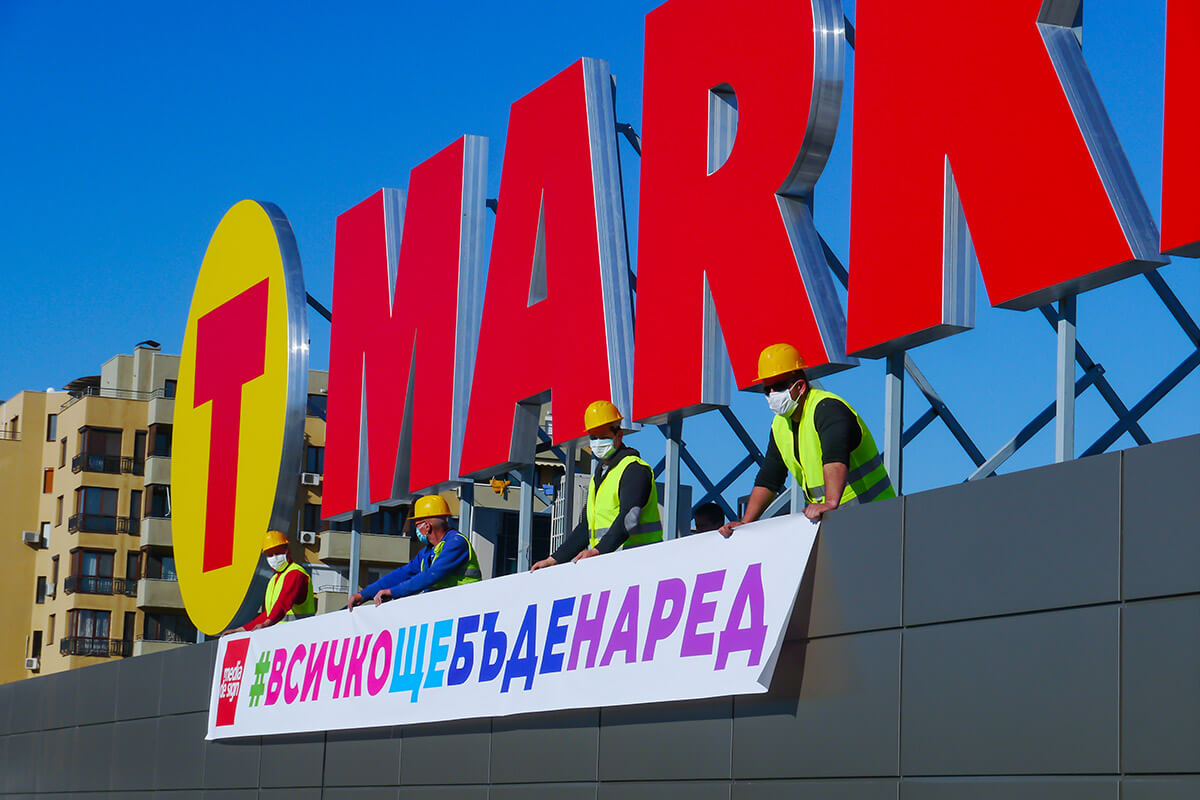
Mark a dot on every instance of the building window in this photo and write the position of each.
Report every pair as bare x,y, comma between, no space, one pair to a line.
131,565
93,563
160,440
40,597
311,517
161,567
89,628
135,504
45,534
58,504
50,630
36,650
54,571
127,628
158,501
168,628
314,461
316,405
99,450
48,480
139,453
51,427
62,452
95,510
168,388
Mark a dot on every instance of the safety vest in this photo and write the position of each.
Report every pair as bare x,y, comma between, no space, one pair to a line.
866,479
305,608
604,504
467,573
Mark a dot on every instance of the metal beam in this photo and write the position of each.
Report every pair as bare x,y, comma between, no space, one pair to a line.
355,551
1031,429
893,419
320,309
704,481
671,478
943,411
1145,404
569,490
743,435
1171,301
1064,414
921,424
729,478
525,522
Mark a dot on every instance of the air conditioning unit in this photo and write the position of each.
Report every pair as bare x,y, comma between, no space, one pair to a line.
32,537
308,537
310,478
33,664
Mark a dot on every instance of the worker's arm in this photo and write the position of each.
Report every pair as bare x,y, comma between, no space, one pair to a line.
767,485
454,554
295,585
393,578
633,493
572,545
839,434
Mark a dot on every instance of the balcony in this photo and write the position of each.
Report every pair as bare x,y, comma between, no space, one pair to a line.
100,647
144,647
112,465
156,532
103,523
376,548
157,594
158,470
100,584
161,410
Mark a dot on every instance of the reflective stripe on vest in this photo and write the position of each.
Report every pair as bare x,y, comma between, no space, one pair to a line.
604,504
305,608
866,478
468,571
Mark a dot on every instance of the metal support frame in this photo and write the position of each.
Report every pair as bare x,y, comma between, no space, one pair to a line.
466,509
1064,415
525,523
355,551
674,434
893,416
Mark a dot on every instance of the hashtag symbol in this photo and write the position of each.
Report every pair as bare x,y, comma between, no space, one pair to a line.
261,668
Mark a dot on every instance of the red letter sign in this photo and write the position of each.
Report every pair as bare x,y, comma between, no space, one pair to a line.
740,110
993,104
1181,131
231,344
558,264
402,333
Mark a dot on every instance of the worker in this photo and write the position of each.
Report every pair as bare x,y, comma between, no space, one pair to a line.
289,592
707,517
817,437
622,501
446,559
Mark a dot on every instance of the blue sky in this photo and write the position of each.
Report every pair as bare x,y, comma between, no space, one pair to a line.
131,128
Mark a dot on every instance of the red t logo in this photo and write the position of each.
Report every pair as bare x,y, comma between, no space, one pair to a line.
230,351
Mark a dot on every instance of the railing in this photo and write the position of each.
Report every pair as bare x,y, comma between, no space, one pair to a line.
170,637
7,435
105,391
100,584
113,465
101,647
132,525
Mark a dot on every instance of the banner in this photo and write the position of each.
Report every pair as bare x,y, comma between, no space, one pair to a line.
695,617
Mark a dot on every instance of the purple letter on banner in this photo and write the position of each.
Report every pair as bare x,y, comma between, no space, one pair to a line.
625,630
700,612
735,638
662,622
588,630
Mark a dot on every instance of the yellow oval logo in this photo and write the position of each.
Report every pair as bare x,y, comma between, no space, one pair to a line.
239,410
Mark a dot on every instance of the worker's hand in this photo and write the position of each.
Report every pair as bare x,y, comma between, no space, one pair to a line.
814,510
545,562
585,554
383,594
356,599
228,631
727,529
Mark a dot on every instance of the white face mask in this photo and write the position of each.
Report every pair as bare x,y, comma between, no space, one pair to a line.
277,562
601,447
782,403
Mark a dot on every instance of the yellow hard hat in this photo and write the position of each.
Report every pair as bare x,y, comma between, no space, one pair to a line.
273,539
599,414
778,359
433,505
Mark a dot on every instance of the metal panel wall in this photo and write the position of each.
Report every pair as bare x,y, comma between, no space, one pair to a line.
1031,636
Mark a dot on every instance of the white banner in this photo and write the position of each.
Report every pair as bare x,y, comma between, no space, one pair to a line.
695,617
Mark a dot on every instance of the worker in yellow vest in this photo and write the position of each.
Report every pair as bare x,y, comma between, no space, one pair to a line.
289,592
818,438
622,502
447,558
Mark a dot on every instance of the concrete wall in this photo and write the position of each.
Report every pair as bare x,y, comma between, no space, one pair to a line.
1030,636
